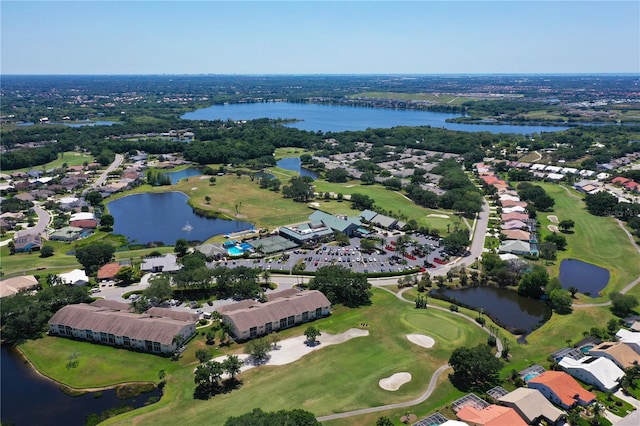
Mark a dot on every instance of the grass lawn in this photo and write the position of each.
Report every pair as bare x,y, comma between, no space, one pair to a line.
287,152
70,157
334,379
98,365
597,240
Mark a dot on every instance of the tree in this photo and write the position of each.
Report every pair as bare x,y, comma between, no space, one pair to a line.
337,175
94,198
106,222
12,247
601,203
340,285
475,369
457,241
181,247
573,290
312,334
257,417
126,275
559,240
561,301
622,304
299,189
46,251
93,256
532,284
566,225
384,421
548,251
231,365
159,289
207,199
258,349
203,355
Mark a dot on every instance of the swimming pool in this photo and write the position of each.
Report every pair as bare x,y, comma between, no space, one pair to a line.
235,251
530,376
586,349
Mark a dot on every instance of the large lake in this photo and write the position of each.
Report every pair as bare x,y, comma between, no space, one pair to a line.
294,164
29,399
151,217
337,118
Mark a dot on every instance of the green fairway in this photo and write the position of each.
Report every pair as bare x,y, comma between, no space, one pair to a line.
439,98
597,240
336,378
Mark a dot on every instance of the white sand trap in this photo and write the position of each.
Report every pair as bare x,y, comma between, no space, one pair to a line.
194,188
393,382
421,340
290,350
552,228
443,216
553,218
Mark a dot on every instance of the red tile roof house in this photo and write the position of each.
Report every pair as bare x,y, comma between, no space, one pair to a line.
561,389
84,224
512,203
620,180
493,415
108,271
631,185
506,217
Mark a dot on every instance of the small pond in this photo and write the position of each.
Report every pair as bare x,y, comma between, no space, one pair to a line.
29,399
182,174
166,217
586,277
294,164
507,307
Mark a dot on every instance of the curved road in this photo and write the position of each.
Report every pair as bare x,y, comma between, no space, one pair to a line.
43,221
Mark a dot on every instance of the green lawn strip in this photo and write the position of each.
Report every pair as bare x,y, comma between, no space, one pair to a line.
288,152
98,365
597,240
70,157
32,263
336,378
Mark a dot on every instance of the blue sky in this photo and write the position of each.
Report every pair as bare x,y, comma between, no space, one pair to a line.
319,37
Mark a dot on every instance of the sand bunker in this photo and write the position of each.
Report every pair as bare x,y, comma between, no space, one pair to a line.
393,382
290,350
552,228
421,340
553,218
443,216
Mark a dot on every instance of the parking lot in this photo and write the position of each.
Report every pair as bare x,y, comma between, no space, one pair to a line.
421,252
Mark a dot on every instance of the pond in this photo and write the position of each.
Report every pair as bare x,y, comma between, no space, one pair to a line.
29,399
176,177
586,277
294,164
507,307
166,217
335,118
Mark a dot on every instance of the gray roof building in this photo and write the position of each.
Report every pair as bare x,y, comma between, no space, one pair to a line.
165,263
531,405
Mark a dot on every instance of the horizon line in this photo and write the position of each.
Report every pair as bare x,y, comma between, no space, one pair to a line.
324,74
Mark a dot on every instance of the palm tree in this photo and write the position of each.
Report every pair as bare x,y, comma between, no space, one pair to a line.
231,366
266,276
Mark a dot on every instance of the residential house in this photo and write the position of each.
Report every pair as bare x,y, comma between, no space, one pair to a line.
283,312
515,247
164,263
621,354
600,372
155,334
511,203
68,233
619,180
514,209
84,224
109,271
532,406
561,389
493,415
74,277
514,216
14,285
516,234
630,338
514,224
170,313
25,243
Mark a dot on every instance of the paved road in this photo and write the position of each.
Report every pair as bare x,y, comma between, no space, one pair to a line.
103,177
40,227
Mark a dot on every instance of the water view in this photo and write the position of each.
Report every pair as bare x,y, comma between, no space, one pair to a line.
29,399
506,306
176,177
334,118
165,217
294,164
589,279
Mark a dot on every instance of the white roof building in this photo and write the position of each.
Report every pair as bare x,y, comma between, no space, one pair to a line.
82,216
513,209
553,169
630,338
507,197
75,277
555,176
538,167
598,371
